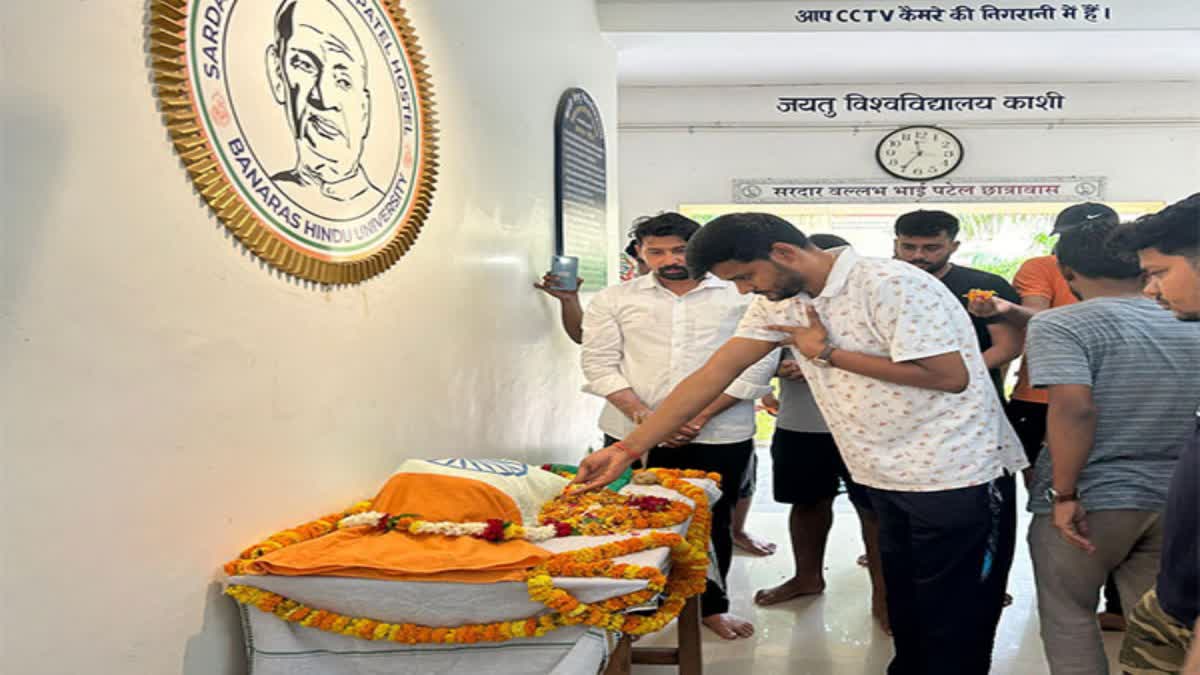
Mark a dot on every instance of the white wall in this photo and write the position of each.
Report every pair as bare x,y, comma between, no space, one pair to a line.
685,144
168,399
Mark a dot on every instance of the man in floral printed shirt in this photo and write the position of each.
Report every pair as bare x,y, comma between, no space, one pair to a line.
897,373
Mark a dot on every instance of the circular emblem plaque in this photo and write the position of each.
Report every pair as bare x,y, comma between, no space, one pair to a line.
307,126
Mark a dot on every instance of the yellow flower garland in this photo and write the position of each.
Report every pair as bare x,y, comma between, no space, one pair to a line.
311,530
367,629
687,578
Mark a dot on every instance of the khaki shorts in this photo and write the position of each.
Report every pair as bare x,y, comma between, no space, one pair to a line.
1155,643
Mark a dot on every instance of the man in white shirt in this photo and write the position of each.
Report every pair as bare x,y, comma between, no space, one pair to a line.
643,337
896,370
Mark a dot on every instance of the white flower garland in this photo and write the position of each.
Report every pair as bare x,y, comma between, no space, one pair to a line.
360,519
447,528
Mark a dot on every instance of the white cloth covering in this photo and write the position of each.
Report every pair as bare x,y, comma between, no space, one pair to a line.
276,647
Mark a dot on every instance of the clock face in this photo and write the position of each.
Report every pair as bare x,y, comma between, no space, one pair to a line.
919,153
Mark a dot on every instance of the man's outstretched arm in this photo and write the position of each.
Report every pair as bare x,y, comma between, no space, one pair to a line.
690,397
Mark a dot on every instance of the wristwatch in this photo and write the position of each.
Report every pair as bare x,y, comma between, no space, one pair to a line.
822,359
1054,497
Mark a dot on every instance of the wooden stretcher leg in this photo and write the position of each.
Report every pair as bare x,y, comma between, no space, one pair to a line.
620,662
687,655
691,661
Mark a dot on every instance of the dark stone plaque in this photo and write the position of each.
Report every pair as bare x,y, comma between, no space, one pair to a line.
581,186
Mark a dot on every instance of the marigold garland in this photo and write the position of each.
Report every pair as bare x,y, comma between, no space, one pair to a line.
559,471
687,578
368,629
310,530
604,512
979,294
676,474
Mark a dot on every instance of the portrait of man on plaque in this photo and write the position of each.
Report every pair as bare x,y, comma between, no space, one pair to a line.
317,71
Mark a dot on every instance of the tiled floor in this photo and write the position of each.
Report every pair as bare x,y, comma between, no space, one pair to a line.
833,634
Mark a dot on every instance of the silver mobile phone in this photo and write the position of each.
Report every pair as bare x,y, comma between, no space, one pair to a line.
566,269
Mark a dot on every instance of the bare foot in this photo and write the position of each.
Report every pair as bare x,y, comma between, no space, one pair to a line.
879,611
729,626
863,560
1110,621
792,588
752,544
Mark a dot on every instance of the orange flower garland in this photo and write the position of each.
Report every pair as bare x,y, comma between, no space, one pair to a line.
979,294
368,629
676,474
687,578
310,530
606,512
688,570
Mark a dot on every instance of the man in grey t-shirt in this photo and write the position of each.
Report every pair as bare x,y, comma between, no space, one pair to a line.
1120,372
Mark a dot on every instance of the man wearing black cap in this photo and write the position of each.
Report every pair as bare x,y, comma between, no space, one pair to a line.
1041,286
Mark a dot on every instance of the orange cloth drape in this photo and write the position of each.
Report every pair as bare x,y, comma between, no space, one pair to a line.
399,556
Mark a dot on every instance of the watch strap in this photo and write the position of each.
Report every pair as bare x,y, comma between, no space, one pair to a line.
1061,498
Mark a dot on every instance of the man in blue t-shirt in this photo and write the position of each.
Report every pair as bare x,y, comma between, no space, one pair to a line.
1099,492
1165,622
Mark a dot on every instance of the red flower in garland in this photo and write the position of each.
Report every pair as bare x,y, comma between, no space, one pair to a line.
384,523
649,503
561,529
494,530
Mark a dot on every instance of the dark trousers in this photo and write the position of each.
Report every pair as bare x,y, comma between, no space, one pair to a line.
1112,599
946,557
1028,419
731,461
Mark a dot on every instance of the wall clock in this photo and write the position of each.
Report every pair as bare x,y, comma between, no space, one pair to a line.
919,153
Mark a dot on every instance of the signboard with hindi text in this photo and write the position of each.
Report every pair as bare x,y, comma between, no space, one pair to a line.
784,191
913,102
581,186
649,16
891,105
990,14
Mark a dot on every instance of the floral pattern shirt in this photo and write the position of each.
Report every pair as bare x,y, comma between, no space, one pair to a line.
893,436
